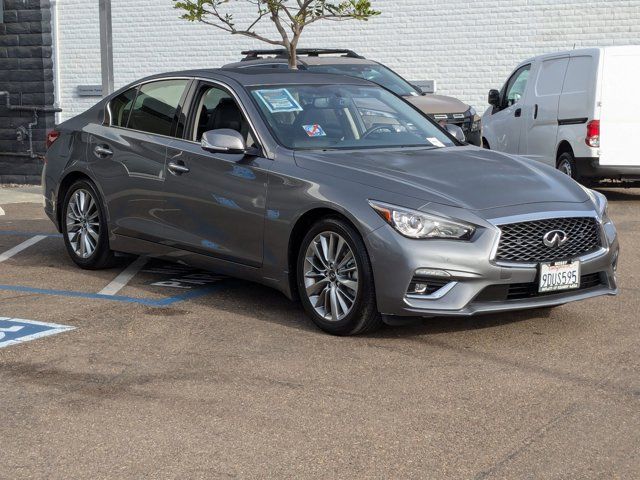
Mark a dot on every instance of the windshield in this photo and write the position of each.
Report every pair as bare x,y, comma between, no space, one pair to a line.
344,117
374,73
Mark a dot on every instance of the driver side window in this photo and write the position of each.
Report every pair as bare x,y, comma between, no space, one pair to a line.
215,109
516,86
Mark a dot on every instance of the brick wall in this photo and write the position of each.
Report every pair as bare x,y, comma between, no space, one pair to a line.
25,72
467,46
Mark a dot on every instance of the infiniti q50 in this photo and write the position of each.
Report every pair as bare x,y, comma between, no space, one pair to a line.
329,189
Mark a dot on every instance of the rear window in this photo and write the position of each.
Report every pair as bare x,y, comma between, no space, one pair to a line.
156,106
120,108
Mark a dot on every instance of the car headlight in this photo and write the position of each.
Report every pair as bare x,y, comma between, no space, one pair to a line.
600,202
415,224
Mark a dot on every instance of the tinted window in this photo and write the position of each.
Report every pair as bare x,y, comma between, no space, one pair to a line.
516,86
156,106
120,108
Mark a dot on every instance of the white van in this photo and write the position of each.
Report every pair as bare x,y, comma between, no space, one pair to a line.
578,111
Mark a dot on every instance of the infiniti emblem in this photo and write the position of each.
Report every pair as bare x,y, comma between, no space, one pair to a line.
555,238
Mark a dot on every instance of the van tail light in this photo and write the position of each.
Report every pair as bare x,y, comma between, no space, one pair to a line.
593,133
52,136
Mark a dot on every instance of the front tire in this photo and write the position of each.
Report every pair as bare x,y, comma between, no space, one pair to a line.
335,279
84,227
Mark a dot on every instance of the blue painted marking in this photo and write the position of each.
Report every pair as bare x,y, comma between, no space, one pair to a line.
15,233
17,330
163,302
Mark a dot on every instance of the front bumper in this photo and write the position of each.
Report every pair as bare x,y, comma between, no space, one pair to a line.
476,284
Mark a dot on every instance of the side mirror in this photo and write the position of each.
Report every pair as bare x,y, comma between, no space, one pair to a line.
456,131
223,140
494,97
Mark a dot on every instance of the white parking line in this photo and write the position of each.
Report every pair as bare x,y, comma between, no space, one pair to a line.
125,276
18,248
1,212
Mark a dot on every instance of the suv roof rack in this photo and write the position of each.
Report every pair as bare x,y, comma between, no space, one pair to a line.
310,52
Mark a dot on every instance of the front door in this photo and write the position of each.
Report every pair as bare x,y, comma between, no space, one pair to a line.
217,201
506,120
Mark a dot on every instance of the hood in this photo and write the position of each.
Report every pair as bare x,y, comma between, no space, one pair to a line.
434,104
466,177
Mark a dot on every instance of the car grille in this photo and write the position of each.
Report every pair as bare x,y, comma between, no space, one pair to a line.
521,291
522,242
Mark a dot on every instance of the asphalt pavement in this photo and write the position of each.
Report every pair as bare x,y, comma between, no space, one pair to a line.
150,370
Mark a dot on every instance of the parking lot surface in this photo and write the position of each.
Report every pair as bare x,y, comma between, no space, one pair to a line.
150,370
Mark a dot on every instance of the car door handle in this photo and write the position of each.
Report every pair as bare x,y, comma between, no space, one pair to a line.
102,151
535,111
518,112
177,168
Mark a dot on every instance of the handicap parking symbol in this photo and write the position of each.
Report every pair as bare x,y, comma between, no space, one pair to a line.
18,330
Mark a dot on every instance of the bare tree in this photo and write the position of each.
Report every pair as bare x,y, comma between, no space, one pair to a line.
290,17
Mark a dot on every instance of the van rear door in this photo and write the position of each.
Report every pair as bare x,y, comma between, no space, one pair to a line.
540,128
620,107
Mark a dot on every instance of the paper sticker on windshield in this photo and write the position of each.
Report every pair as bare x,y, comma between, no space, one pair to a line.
314,130
278,100
435,142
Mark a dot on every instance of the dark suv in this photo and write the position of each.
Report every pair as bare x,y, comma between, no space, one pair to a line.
445,110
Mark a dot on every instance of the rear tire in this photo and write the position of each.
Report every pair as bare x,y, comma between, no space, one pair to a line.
84,227
335,279
567,165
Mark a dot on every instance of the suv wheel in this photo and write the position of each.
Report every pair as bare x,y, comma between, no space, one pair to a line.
84,227
335,279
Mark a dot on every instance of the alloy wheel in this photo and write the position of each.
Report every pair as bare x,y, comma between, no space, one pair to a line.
83,223
330,276
565,167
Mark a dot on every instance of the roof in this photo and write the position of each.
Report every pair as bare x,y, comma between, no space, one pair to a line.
303,60
260,76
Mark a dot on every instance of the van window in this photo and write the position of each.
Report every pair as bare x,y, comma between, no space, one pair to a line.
578,75
120,108
156,106
551,76
516,86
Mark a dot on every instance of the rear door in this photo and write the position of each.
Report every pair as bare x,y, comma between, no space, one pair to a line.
540,112
620,106
506,121
218,205
129,153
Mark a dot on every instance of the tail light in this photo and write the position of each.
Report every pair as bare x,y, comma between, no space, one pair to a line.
593,133
52,136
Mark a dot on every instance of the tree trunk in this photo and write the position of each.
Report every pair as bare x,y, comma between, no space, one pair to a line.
293,57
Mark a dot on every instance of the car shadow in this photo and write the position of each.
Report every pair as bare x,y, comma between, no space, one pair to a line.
268,305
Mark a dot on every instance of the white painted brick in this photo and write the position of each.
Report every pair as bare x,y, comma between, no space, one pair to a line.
468,46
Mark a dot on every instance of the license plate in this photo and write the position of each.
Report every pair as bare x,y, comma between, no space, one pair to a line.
559,276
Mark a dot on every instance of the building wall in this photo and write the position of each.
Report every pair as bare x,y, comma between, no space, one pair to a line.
25,72
467,46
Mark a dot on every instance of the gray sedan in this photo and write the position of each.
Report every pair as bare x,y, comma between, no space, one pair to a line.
327,188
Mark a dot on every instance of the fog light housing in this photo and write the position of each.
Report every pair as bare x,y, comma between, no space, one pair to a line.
427,282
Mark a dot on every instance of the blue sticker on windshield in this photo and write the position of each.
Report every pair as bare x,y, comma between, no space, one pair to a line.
278,100
314,130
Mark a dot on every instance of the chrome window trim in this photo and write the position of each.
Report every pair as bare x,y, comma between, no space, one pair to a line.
260,142
532,217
